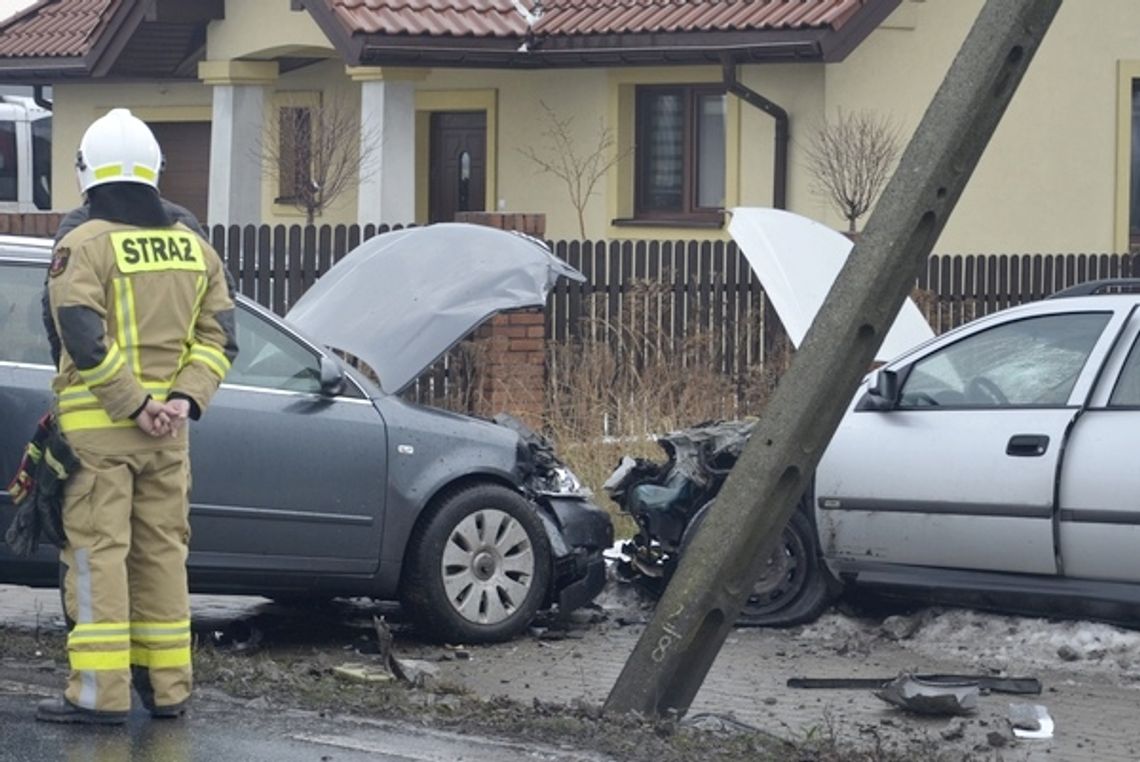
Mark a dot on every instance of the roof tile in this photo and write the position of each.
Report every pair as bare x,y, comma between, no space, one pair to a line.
436,18
57,28
569,17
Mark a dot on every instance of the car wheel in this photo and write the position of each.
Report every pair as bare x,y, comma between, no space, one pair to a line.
795,587
479,568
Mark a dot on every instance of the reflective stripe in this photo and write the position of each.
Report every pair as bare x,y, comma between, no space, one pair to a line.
122,636
81,420
199,295
99,661
103,372
212,358
161,659
108,170
161,632
59,469
145,173
128,326
160,627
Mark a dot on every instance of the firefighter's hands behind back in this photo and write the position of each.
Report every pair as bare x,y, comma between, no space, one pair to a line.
154,419
178,411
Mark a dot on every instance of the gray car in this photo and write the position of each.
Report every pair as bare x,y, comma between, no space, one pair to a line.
313,480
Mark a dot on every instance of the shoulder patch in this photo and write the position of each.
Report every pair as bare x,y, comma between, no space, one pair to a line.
59,259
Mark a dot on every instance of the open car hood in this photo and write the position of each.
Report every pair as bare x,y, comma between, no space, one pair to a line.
797,260
400,300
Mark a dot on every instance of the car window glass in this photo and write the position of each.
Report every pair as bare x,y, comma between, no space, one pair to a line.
22,335
269,358
1127,390
1029,362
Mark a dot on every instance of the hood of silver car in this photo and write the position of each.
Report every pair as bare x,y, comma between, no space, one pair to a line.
797,260
400,300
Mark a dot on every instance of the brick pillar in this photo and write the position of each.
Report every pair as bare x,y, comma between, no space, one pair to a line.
531,223
513,376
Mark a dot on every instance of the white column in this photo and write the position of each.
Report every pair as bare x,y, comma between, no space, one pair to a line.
387,191
235,138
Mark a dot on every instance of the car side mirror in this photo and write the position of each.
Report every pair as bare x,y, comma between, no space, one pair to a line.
332,377
883,393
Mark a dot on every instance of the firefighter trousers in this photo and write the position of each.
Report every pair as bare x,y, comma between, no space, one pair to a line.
126,517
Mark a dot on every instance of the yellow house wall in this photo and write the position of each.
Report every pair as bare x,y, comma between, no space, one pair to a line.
263,29
1048,181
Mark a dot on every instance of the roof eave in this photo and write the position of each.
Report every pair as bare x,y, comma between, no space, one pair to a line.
841,42
597,50
350,47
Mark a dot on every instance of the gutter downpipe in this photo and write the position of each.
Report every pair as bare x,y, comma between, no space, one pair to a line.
753,98
39,99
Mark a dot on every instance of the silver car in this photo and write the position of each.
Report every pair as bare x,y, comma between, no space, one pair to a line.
313,480
991,466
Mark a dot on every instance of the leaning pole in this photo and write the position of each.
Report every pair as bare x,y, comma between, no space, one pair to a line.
697,611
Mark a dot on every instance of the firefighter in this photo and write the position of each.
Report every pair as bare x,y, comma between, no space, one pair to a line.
145,319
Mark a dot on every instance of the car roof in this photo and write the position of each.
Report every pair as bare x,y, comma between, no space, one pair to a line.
25,247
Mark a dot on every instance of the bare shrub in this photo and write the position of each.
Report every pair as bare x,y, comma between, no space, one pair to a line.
850,158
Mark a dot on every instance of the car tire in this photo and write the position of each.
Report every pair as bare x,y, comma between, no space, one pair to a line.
478,568
795,588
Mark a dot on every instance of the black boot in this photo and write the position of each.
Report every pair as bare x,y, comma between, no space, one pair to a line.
62,710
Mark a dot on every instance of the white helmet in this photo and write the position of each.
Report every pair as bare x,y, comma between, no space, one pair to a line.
117,148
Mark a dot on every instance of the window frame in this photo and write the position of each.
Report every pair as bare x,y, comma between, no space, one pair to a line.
689,212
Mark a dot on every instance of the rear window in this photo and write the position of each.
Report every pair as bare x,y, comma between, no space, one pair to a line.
22,335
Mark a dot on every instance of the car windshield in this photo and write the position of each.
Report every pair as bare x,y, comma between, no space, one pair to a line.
1035,361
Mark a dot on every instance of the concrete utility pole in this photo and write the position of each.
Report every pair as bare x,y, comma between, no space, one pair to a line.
698,609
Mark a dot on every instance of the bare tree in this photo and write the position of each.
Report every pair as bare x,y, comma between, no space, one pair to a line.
314,153
579,168
850,159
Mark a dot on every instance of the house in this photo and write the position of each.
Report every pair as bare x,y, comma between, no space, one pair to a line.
693,106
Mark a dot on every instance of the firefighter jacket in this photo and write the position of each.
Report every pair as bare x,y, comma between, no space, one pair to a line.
140,312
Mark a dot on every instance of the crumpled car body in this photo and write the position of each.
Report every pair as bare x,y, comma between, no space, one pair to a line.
991,466
311,481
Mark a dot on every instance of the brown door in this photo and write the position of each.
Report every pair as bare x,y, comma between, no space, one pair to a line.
186,177
458,164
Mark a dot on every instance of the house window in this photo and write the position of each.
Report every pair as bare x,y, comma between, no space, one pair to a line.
680,153
294,134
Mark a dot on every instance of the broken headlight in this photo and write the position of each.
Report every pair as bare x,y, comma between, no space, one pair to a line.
563,481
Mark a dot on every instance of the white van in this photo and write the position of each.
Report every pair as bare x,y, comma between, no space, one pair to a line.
25,155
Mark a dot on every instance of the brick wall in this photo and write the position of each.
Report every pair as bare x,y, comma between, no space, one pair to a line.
38,224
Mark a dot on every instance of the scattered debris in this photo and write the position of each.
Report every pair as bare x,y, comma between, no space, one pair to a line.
985,683
383,638
416,672
365,673
955,731
238,635
1030,721
931,697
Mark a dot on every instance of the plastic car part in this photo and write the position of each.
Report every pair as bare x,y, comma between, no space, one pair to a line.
478,568
925,697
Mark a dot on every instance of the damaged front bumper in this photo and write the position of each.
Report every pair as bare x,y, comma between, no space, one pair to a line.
579,533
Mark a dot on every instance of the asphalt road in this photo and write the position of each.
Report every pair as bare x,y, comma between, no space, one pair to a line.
221,729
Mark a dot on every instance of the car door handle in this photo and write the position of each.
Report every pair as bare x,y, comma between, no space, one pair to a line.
1027,445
